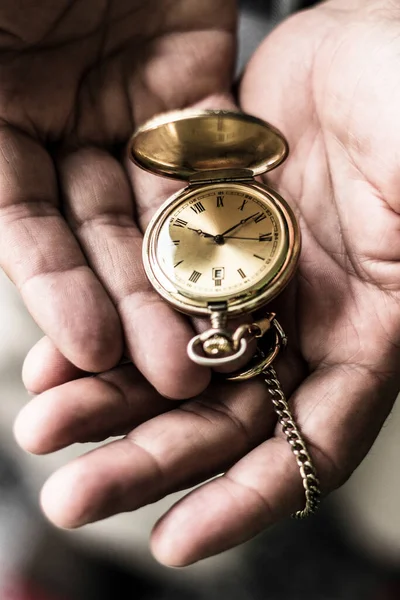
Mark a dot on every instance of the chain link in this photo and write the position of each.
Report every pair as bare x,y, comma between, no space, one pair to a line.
307,470
261,364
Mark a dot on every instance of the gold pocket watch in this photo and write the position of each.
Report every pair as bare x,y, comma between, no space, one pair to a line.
225,245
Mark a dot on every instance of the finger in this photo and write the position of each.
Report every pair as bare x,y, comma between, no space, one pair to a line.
89,409
99,208
170,452
41,256
151,190
79,411
45,367
340,412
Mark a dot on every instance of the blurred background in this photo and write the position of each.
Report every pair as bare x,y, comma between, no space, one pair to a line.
351,549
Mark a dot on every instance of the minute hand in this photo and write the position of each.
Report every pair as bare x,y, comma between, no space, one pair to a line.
239,237
242,222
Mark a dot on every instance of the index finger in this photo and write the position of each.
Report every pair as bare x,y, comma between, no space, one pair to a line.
41,256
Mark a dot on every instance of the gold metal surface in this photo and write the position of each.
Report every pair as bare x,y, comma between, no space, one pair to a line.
264,357
185,143
218,345
185,261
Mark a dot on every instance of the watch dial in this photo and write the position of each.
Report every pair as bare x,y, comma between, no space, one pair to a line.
221,241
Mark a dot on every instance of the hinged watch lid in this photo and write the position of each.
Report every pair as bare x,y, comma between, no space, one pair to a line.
184,143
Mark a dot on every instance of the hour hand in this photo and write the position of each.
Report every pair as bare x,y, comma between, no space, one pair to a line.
200,232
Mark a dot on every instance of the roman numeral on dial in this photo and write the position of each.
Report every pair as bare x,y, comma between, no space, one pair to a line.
195,276
259,217
241,207
178,263
265,237
198,208
241,273
220,202
180,223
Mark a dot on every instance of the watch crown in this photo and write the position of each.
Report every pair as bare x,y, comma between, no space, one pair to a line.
218,345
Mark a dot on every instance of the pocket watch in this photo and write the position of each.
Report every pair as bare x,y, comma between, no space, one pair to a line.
225,245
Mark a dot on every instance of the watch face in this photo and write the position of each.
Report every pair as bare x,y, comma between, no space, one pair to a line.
220,241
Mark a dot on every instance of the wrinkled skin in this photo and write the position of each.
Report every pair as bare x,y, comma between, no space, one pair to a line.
326,78
77,79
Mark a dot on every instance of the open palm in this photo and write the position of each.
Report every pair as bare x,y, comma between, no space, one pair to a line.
333,92
327,79
76,79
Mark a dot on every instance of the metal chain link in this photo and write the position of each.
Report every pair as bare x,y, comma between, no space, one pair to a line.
307,470
261,364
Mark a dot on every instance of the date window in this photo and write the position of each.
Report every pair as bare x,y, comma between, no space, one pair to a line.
218,273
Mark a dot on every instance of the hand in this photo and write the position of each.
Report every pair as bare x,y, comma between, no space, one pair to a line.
200,232
76,79
239,237
332,76
242,222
